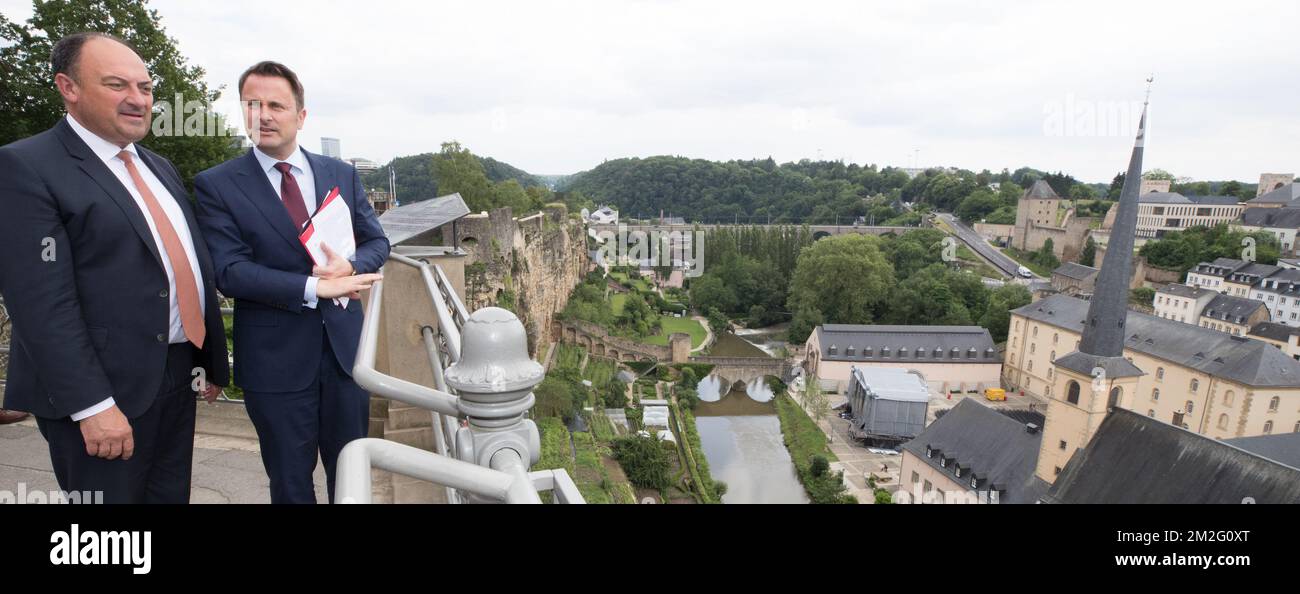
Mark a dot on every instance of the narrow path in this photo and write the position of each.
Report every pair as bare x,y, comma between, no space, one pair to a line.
708,337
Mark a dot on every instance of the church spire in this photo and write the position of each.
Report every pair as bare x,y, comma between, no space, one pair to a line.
1103,331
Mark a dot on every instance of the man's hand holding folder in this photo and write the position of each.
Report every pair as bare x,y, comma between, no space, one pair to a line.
329,239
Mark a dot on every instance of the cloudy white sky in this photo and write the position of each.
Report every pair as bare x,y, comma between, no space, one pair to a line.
557,87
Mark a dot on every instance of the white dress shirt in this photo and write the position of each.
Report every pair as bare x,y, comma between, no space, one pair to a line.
108,153
301,171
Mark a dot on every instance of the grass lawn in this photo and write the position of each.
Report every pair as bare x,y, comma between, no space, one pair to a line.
616,303
1023,259
971,261
669,325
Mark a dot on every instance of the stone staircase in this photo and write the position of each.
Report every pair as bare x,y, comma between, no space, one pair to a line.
407,425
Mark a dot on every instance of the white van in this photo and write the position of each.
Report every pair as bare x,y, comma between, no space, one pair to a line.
1025,272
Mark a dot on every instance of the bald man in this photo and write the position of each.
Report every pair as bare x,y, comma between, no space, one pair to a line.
116,323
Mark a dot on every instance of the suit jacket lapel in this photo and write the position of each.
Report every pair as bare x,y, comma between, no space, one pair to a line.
177,190
98,171
259,191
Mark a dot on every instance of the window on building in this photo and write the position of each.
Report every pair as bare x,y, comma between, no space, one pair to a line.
1155,394
1056,470
1062,446
1195,385
1031,365
1035,331
1151,412
1268,427
1033,346
1188,407
1072,392
1274,403
1223,421
1055,336
916,477
1228,397
1113,400
1160,373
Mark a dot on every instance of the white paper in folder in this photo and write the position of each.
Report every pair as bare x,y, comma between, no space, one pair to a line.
332,226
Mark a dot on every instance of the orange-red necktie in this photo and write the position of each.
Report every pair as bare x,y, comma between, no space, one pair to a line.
187,290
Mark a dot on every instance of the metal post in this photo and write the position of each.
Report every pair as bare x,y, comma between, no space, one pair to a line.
494,380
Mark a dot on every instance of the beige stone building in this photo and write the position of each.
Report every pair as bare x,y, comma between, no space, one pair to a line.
1234,315
1240,282
1209,382
1285,338
956,358
1182,303
1272,181
1214,275
1162,212
1072,278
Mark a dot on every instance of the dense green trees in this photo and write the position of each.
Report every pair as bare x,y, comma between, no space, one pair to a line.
747,271
415,178
811,192
645,461
846,277
1182,250
854,279
31,104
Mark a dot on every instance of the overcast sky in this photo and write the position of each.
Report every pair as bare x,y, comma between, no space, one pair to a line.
558,87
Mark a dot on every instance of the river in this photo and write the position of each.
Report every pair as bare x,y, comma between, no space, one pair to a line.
741,433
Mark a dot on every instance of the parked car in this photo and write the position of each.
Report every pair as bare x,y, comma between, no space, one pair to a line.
1025,272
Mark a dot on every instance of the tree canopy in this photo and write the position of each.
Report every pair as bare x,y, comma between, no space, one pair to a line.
31,103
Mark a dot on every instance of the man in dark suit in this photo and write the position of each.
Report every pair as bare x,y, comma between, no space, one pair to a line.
294,345
115,317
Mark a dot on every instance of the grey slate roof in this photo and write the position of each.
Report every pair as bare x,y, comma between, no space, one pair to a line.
1253,273
989,444
918,344
1274,331
1284,281
1284,448
1075,271
1282,195
1183,291
1114,367
1273,218
1232,309
1176,198
1041,190
1220,267
1240,359
1136,459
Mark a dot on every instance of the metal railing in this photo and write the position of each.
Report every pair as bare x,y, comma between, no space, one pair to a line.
483,445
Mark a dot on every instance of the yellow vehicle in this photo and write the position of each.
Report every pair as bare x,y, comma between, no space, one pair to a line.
995,394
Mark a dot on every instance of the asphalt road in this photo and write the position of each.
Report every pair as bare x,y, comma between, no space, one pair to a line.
972,239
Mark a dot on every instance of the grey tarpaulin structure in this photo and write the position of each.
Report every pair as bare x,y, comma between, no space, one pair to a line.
887,404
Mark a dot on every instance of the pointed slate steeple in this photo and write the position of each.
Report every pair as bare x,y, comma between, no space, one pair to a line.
1103,332
1102,343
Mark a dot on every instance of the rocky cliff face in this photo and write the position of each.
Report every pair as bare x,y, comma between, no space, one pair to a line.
528,265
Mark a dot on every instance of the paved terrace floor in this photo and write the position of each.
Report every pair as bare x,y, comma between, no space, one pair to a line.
227,463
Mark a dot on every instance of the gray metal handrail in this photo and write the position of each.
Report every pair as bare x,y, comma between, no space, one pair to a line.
487,456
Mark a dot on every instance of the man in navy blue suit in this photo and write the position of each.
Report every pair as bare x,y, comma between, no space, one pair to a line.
116,322
294,345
